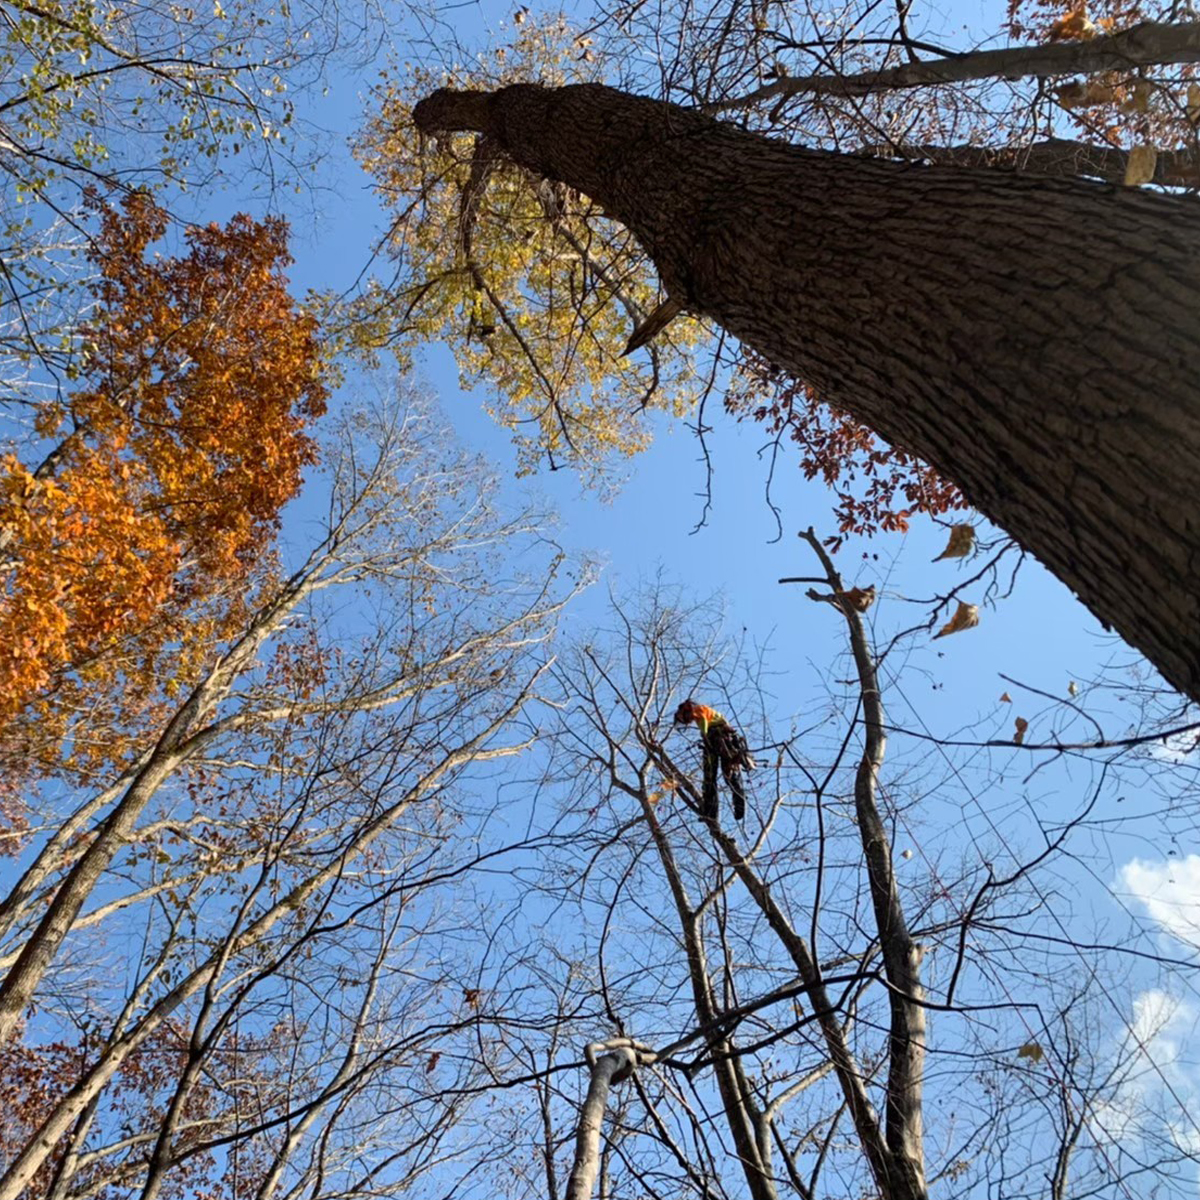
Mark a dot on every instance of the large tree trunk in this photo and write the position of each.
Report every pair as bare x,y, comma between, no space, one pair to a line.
1036,340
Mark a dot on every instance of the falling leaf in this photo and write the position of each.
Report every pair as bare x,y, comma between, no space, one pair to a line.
857,599
966,616
1031,1051
961,543
1075,26
1019,733
1005,698
1140,166
1072,688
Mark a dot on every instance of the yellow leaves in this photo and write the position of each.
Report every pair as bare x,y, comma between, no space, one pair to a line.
1077,94
1138,98
528,284
966,616
666,787
1139,168
1020,725
961,543
1193,103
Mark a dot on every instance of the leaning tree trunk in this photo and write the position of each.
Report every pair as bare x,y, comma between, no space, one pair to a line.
1036,340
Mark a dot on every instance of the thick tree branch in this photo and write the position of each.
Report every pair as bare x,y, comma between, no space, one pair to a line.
901,957
608,1068
740,1111
1059,158
1148,44
845,1065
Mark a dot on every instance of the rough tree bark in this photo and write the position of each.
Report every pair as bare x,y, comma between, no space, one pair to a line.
1034,339
1060,157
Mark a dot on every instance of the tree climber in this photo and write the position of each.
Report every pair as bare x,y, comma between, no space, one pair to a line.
722,746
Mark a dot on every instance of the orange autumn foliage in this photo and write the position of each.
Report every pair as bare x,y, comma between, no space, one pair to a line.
129,529
37,1075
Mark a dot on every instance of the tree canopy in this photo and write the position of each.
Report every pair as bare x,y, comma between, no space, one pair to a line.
134,519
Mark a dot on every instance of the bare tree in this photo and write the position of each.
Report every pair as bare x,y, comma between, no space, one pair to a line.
807,1006
280,1017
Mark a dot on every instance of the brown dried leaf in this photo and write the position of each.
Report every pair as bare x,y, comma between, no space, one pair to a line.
1074,27
857,599
966,616
1005,698
1032,1051
1086,93
1139,98
1019,732
961,543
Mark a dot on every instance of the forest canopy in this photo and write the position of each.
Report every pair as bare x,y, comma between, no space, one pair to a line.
355,844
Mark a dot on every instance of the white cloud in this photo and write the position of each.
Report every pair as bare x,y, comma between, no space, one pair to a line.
1154,1081
1157,1015
1181,748
1170,893
1156,1084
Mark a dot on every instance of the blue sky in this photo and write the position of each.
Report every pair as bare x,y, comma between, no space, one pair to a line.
1039,636
1134,873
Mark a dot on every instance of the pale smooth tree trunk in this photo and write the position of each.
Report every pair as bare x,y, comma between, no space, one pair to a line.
1036,340
609,1065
